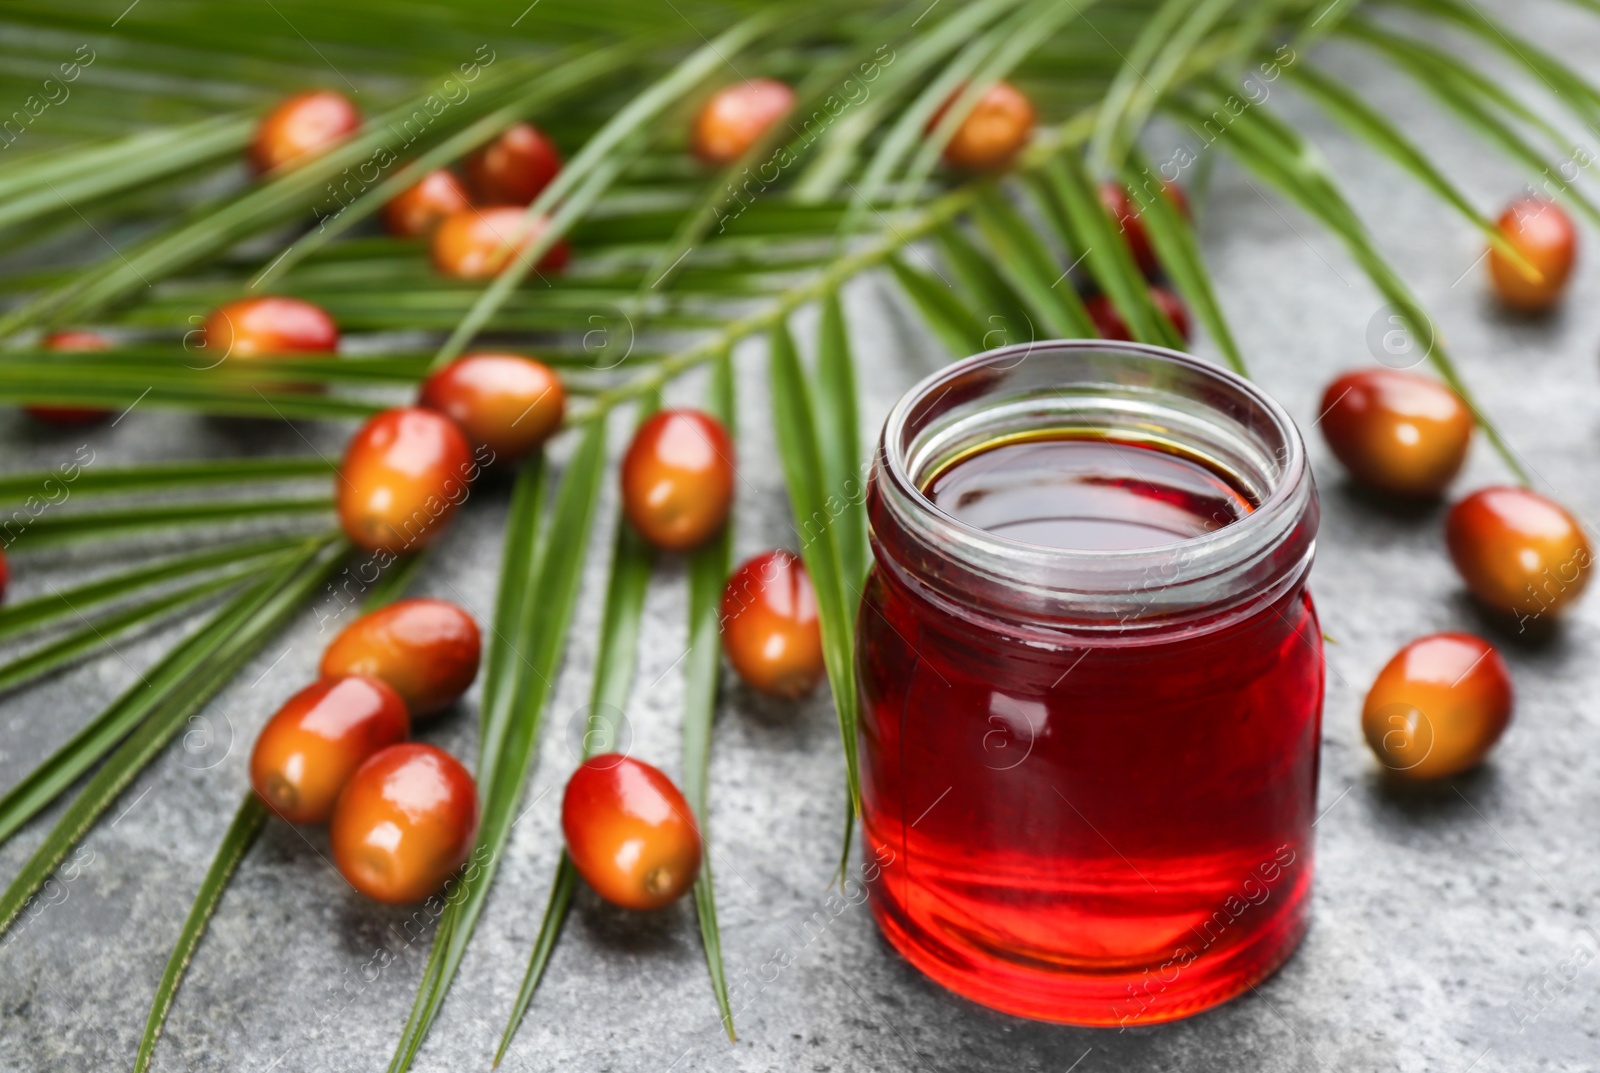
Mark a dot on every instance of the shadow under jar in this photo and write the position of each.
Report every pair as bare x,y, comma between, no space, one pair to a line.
1092,681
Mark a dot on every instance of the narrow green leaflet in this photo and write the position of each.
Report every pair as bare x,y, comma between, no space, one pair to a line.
534,612
117,387
597,165
1031,268
1278,155
708,574
155,688
1371,126
1106,251
248,823
76,179
78,599
204,673
1571,88
948,315
797,431
1039,22
50,529
626,584
80,480
1153,65
242,833
910,127
1475,99
97,635
837,159
281,197
1001,310
563,78
841,435
1178,251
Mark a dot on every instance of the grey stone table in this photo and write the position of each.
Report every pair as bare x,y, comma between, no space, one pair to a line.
1453,929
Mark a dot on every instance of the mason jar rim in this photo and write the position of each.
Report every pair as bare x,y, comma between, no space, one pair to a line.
1258,554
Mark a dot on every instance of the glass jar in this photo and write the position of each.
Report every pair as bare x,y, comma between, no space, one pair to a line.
1089,775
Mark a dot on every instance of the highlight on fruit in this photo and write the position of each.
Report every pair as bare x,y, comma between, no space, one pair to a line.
301,127
1546,237
770,629
1438,707
991,136
404,474
1519,552
426,650
629,832
1398,432
506,402
736,116
677,479
478,243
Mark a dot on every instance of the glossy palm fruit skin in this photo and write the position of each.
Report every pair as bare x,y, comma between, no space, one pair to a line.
506,402
1545,235
418,210
1396,431
427,651
994,132
404,474
1518,552
404,823
515,167
478,243
1109,323
629,832
301,127
269,327
736,117
310,748
677,479
770,628
71,416
1126,211
1438,707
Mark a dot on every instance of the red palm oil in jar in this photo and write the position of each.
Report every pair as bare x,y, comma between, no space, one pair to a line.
1091,682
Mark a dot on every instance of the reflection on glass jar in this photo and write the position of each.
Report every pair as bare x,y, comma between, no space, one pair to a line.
1092,682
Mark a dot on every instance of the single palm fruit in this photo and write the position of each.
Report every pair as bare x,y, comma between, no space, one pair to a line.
515,167
71,416
478,243
736,117
1109,323
418,209
1518,552
269,327
404,474
301,127
770,628
310,748
677,479
1544,234
994,132
505,402
1126,211
1396,431
629,832
1438,707
425,650
404,823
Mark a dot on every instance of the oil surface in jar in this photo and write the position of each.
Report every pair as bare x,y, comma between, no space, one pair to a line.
1086,492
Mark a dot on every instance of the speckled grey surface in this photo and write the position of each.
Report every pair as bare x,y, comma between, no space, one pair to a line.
1453,931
